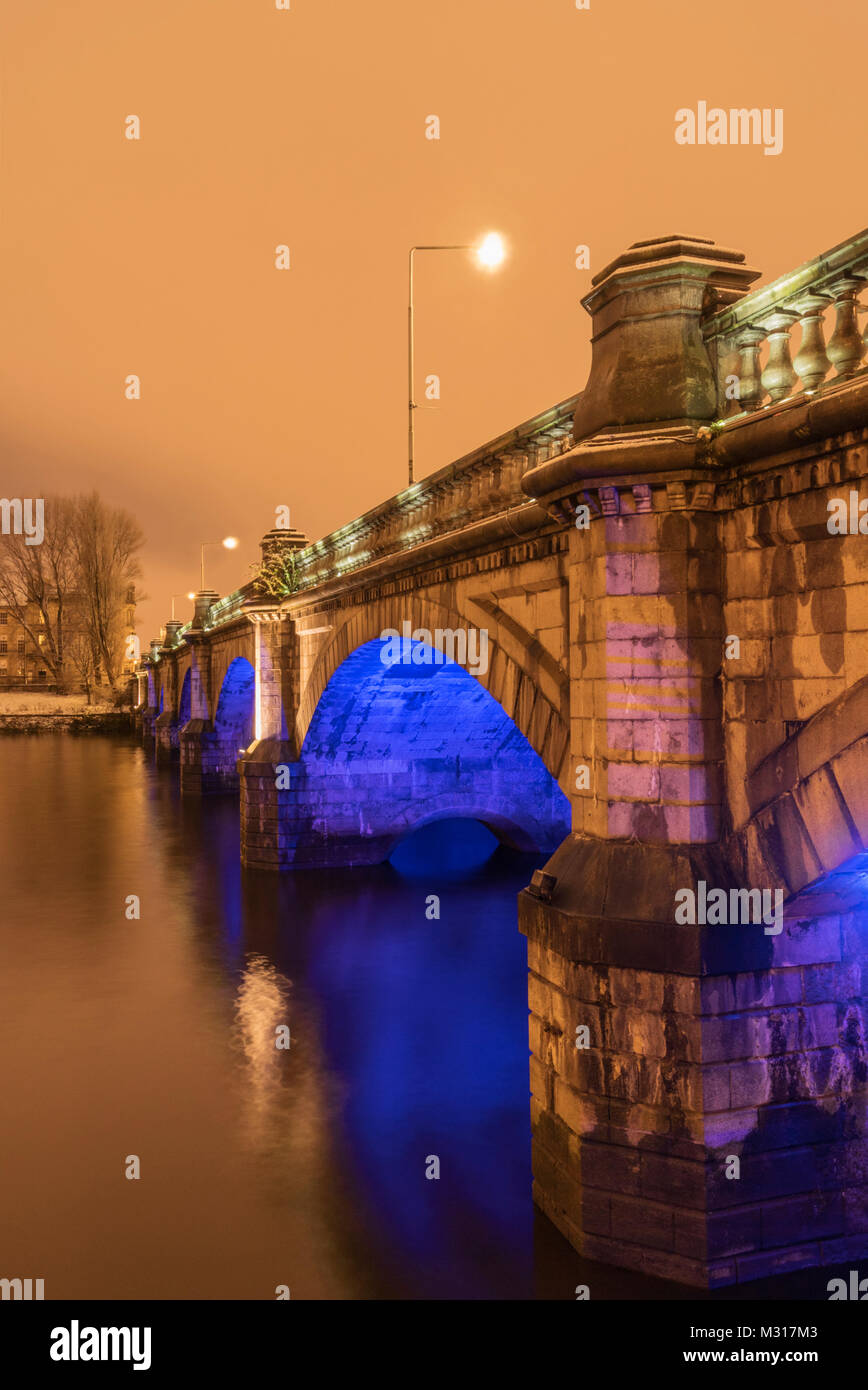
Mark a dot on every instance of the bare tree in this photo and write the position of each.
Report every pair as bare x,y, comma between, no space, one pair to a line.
84,661
106,542
69,593
38,584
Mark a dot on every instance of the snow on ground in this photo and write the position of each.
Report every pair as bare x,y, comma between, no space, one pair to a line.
27,702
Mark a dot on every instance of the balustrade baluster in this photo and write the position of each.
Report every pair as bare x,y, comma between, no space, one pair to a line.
812,361
495,480
728,356
778,376
845,346
750,388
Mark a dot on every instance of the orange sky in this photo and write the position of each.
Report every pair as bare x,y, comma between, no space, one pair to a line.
262,388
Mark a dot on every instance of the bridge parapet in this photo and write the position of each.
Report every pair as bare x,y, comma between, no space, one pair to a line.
480,486
227,609
758,329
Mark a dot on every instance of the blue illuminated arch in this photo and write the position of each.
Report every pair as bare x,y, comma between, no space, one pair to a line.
396,744
185,702
235,718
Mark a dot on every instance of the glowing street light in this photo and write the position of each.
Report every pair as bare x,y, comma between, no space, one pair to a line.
490,253
228,542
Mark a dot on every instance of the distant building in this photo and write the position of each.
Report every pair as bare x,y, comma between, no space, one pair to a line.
22,659
131,641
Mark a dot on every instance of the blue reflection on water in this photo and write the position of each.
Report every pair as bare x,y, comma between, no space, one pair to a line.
422,1024
426,1022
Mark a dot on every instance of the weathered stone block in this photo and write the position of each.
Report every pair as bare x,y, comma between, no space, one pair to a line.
647,1223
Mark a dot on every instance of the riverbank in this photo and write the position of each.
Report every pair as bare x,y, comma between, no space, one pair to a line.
23,712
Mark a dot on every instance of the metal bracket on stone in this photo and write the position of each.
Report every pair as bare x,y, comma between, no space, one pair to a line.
542,885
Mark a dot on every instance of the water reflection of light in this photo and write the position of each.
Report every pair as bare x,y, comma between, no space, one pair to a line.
261,1007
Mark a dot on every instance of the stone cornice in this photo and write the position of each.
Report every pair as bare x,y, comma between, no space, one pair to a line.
495,538
679,467
841,406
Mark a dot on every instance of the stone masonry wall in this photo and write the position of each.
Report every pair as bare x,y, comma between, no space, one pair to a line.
797,597
632,1135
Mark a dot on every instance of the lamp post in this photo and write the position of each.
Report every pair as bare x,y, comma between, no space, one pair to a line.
489,254
191,596
228,542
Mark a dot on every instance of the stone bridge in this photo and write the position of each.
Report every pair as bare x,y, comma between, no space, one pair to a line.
662,588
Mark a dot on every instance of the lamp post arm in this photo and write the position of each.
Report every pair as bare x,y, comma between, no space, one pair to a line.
411,355
411,360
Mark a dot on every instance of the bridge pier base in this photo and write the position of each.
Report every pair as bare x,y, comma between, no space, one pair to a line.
208,760
149,719
710,1125
166,739
265,843
190,740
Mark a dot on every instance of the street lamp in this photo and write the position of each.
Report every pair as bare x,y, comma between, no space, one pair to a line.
229,542
490,253
190,596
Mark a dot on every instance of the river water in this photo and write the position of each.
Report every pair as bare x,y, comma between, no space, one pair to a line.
154,1037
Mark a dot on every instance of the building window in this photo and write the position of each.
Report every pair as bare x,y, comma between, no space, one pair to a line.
4,617
4,646
21,646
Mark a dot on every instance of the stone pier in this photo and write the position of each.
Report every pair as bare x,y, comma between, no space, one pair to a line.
699,1090
195,738
166,726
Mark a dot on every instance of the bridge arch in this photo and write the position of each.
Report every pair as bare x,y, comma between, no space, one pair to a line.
528,684
809,798
400,738
234,715
185,699
230,733
237,644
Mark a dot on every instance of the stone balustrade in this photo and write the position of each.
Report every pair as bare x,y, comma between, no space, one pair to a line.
481,485
758,359
225,609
